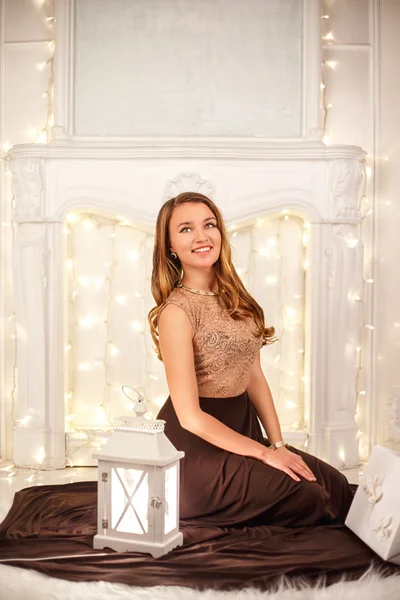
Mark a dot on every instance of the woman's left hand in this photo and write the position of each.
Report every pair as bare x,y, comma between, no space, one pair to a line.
295,462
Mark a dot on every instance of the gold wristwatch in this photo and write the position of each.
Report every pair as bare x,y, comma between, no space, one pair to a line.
279,444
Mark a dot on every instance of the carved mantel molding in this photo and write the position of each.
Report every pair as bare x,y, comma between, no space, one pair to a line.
246,178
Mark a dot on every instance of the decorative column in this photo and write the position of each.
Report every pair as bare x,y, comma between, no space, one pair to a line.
37,274
337,318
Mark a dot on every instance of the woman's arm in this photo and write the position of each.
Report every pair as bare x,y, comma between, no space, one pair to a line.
175,335
260,395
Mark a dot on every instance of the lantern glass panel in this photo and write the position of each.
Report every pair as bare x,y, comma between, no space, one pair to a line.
171,508
130,500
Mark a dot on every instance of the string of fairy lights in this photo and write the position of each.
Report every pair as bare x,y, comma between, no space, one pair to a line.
84,437
40,136
90,436
328,42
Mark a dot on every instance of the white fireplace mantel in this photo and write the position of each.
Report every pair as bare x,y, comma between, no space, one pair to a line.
246,178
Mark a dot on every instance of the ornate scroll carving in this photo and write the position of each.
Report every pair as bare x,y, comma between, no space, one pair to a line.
27,184
188,182
346,177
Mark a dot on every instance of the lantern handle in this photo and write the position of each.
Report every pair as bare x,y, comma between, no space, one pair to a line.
139,407
141,397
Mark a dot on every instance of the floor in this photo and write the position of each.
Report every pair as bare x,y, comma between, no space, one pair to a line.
13,479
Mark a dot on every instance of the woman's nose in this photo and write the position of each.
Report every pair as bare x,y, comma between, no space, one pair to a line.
200,235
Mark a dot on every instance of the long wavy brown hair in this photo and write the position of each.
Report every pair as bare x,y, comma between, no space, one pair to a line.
167,272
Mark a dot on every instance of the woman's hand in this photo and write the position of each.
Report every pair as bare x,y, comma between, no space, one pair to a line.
289,462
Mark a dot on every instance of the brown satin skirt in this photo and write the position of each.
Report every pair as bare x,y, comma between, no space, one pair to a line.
224,489
244,523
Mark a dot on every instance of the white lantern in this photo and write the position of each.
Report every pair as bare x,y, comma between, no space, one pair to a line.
138,488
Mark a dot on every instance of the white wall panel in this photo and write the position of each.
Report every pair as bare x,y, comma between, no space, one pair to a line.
348,19
26,20
25,85
348,90
193,67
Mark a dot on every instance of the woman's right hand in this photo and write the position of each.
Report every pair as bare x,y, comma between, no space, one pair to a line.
288,462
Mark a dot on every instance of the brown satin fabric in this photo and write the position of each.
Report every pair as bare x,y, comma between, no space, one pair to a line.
244,523
224,489
60,520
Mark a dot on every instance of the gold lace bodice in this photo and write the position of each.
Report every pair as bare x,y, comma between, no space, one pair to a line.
224,349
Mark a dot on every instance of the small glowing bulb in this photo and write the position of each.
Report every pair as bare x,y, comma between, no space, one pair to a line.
70,264
342,455
306,264
73,218
370,327
86,322
271,280
6,146
300,351
121,299
328,36
133,255
89,224
84,281
84,366
322,86
114,351
369,281
67,347
41,138
331,63
234,234
290,404
259,222
41,65
40,455
137,326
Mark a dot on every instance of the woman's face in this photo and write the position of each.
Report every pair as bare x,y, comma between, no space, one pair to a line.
194,235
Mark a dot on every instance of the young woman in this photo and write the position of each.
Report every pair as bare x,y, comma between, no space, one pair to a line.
208,331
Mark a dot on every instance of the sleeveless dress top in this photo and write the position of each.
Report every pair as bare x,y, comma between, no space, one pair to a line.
224,349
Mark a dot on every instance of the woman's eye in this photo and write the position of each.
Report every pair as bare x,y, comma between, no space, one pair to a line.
184,229
212,224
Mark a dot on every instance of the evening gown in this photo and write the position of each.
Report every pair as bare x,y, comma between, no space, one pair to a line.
222,488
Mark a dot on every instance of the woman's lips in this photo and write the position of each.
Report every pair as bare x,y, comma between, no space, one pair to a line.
201,252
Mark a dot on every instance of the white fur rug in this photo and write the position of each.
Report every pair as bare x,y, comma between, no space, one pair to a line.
23,584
